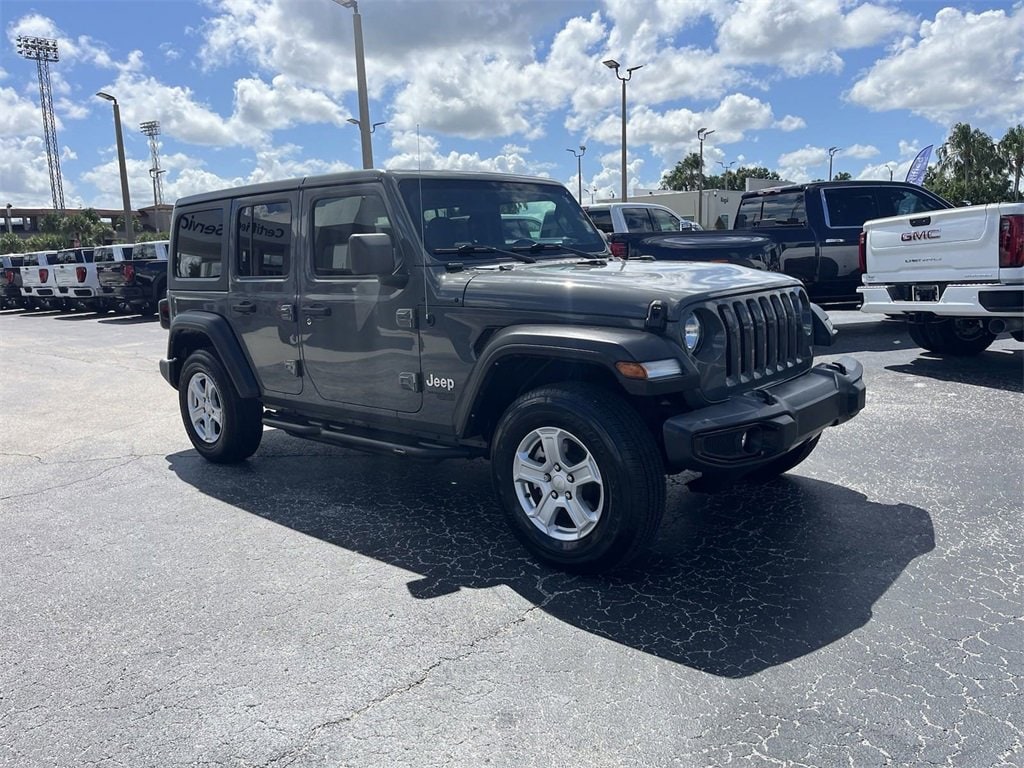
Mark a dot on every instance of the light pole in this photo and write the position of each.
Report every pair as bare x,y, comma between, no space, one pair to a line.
614,65
126,200
373,127
579,171
889,167
727,167
702,134
364,106
831,153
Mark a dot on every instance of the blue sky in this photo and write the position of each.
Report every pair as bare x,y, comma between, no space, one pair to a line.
254,90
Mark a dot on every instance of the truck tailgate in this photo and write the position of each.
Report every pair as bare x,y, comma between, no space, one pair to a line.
954,245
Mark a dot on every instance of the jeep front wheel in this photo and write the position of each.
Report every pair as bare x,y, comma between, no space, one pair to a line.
223,427
579,476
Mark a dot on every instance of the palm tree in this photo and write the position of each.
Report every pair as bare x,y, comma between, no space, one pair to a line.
685,176
1011,147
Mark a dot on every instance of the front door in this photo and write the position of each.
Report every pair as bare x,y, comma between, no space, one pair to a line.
263,288
360,344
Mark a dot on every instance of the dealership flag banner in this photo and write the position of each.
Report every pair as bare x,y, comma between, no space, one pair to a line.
917,168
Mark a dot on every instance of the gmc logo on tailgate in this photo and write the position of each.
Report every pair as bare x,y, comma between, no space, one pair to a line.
928,234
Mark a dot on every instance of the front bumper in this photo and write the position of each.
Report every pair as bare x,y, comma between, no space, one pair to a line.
751,429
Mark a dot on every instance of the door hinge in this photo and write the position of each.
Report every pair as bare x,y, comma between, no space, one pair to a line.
405,318
294,367
410,381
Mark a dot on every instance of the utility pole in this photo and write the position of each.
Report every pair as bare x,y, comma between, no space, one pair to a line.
579,171
43,50
831,153
702,134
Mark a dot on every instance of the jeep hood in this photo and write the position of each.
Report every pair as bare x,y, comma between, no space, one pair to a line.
615,288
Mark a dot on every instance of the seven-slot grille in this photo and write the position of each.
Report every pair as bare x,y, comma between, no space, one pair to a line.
764,334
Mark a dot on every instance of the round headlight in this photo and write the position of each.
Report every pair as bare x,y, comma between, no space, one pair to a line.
692,332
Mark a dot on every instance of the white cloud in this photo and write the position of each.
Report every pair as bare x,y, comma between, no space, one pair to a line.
960,62
790,123
19,117
859,151
804,36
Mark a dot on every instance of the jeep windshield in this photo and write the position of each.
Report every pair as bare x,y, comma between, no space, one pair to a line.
462,219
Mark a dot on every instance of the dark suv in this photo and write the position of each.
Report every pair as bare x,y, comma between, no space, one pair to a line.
406,313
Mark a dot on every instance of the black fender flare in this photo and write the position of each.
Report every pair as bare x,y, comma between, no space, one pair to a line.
224,342
592,345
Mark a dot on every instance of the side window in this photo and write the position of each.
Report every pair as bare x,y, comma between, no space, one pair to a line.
850,206
602,220
335,219
785,209
637,220
664,221
749,213
899,202
199,252
263,242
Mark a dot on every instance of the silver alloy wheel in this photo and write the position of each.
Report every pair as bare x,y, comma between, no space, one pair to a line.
558,483
205,409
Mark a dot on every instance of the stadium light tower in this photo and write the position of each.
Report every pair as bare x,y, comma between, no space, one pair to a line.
151,129
43,50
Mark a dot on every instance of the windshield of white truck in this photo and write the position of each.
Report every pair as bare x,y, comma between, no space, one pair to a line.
461,218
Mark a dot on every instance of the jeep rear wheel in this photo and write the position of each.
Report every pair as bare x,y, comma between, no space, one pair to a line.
579,476
223,427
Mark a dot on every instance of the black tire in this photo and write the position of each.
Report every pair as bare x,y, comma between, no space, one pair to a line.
147,310
783,463
959,336
223,427
621,509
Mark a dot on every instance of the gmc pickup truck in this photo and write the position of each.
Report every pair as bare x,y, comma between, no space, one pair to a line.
957,275
75,276
38,287
808,231
136,284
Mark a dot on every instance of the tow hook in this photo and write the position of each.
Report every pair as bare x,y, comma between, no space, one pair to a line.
766,397
836,366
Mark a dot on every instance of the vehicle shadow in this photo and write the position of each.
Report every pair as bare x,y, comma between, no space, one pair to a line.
995,369
737,583
873,335
129,320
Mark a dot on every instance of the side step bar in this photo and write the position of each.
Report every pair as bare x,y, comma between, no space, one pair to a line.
364,442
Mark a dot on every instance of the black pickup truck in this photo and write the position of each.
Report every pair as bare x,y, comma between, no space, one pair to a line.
135,285
810,231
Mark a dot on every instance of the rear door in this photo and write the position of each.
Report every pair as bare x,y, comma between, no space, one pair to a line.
360,344
263,292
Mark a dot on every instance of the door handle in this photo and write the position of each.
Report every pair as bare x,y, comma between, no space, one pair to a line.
244,307
317,310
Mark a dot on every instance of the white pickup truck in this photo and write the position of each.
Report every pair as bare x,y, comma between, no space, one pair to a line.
38,286
77,281
956,274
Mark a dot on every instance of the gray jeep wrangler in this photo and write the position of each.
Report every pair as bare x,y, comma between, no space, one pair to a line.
413,314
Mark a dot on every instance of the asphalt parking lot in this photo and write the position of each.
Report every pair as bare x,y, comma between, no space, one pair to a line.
317,606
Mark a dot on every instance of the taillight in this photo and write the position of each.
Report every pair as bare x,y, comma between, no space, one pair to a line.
1011,241
862,252
9,276
80,274
44,275
619,250
128,271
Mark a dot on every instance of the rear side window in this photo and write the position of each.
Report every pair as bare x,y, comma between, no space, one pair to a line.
900,202
637,220
264,240
602,220
786,209
199,244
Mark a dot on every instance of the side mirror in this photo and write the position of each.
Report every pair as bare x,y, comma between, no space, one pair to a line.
371,254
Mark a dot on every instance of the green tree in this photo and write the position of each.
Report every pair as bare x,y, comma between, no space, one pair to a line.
842,176
685,176
1011,147
11,243
969,168
85,228
45,242
145,237
744,172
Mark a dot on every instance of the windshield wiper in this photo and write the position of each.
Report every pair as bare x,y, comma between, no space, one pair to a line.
535,247
469,249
